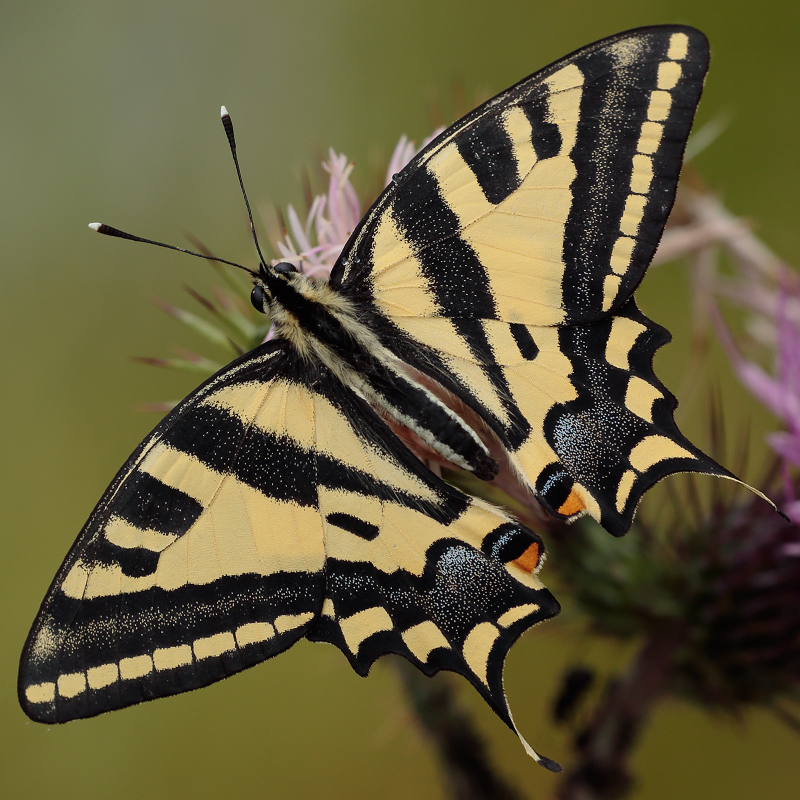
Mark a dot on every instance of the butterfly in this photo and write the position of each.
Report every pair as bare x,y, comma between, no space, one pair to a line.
277,501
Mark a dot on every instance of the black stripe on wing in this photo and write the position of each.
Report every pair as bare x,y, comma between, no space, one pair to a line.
452,268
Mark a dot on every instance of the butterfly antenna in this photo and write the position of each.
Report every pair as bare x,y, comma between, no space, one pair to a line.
228,125
107,230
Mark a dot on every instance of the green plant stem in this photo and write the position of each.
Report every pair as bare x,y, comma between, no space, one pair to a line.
466,766
601,770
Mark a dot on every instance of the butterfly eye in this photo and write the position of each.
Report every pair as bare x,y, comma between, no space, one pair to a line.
284,268
257,298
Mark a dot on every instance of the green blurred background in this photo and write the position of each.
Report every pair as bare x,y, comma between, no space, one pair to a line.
110,112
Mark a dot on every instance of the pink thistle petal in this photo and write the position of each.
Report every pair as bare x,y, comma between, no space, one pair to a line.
792,549
766,388
404,151
786,445
344,207
429,139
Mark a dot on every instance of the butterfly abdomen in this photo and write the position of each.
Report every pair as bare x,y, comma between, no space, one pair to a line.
324,327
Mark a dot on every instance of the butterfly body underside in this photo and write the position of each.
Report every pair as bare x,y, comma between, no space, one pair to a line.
276,501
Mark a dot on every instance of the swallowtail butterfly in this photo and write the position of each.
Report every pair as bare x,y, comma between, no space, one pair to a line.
276,502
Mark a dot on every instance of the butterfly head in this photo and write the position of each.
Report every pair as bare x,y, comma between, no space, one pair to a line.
261,296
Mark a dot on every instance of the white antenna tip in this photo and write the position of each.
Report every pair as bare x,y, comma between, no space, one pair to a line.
95,226
223,112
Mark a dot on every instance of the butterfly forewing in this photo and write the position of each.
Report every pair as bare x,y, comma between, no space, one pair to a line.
544,205
205,555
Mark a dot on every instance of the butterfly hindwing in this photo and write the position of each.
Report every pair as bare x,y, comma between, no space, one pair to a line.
273,503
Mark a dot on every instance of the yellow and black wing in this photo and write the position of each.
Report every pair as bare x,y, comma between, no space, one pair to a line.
502,261
271,504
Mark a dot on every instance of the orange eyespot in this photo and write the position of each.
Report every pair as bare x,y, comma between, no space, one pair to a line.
572,505
529,560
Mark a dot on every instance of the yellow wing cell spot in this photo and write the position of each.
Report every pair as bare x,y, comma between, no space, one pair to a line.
242,399
640,396
611,284
678,46
653,449
477,647
529,560
621,339
555,173
216,645
108,581
632,215
364,624
288,622
624,489
253,632
100,677
288,410
650,137
660,105
74,585
172,657
517,613
569,77
41,693
565,111
423,639
391,246
641,176
669,73
72,684
621,254
135,667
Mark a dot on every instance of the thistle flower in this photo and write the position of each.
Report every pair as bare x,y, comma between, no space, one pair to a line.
330,221
314,246
779,393
744,617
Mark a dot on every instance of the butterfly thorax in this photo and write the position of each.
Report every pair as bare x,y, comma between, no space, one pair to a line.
324,327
